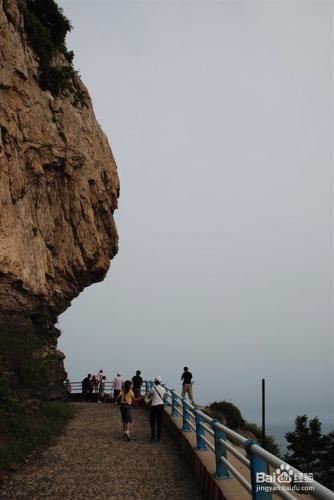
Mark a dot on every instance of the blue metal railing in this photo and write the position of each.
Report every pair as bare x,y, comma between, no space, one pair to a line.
211,435
75,387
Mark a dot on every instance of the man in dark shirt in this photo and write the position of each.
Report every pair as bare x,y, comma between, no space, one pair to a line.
186,378
85,385
137,382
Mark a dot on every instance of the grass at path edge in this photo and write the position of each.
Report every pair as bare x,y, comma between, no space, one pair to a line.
24,429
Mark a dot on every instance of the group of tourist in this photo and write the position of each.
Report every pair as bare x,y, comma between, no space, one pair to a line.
94,384
127,394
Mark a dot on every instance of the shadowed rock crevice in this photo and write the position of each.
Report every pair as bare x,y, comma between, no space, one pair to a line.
58,192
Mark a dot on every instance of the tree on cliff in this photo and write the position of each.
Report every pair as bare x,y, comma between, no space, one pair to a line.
311,451
46,28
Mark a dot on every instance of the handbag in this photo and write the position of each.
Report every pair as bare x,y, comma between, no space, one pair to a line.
156,390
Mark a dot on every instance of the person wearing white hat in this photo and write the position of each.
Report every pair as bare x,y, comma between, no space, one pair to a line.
157,396
117,386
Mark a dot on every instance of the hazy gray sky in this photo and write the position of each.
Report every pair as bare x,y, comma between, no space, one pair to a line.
220,117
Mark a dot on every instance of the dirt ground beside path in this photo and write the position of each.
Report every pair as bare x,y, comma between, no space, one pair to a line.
91,460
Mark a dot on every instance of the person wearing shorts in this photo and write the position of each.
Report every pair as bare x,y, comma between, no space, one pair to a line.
126,398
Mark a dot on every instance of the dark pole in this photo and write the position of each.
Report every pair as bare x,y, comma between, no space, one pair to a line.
263,411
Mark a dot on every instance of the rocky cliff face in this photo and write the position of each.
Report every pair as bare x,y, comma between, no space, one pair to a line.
58,192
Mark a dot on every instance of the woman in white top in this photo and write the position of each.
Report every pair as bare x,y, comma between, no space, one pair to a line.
157,396
117,386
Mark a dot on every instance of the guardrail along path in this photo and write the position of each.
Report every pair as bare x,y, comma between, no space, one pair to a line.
91,460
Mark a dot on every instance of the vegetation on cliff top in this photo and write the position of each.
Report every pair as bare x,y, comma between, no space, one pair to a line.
46,28
230,415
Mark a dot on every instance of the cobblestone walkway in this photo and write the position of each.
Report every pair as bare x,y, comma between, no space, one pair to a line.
91,460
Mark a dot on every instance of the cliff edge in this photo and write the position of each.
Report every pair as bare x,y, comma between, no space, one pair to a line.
58,192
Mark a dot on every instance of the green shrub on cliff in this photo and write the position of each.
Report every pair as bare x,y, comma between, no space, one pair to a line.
46,28
228,411
230,415
270,443
52,17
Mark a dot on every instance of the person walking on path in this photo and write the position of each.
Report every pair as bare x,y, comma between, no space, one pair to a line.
117,386
127,399
187,388
157,396
137,382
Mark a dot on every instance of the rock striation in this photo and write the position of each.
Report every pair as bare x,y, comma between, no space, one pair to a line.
58,192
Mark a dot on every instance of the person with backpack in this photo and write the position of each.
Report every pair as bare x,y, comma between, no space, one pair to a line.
157,397
126,398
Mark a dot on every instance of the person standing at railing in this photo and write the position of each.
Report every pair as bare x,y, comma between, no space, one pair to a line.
157,396
68,385
102,385
187,387
99,376
117,386
137,382
91,385
95,383
85,386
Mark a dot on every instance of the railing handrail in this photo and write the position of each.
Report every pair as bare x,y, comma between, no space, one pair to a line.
254,449
271,459
229,432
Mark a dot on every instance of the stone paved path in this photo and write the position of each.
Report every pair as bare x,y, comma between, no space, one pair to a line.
92,461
